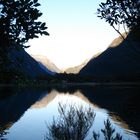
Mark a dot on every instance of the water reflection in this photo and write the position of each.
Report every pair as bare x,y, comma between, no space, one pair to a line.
13,104
74,123
2,131
120,101
24,115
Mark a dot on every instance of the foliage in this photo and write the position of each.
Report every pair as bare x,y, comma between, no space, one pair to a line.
18,21
72,124
108,132
120,12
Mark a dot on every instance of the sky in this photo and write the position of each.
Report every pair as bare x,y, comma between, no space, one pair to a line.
76,33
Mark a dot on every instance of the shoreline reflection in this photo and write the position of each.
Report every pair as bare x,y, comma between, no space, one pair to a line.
37,108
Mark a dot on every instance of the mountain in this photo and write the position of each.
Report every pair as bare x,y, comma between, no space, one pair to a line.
19,64
46,69
76,69
118,62
44,61
14,106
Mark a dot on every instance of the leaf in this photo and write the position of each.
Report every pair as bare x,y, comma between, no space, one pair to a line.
35,36
38,23
39,14
45,33
37,4
44,28
35,1
111,23
43,25
27,1
102,3
30,4
26,46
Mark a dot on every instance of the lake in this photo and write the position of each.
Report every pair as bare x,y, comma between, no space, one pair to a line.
75,113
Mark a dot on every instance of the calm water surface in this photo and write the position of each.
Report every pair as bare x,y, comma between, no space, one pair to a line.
25,114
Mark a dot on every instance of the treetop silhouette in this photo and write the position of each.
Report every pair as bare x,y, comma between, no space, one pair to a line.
19,22
120,12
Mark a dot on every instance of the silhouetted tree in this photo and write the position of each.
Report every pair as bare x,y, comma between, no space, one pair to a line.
120,12
108,132
18,22
72,124
75,123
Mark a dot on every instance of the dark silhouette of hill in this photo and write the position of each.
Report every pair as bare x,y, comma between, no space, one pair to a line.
76,69
124,101
120,61
14,106
19,64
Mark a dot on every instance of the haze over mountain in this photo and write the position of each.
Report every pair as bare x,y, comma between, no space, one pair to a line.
48,64
119,61
77,69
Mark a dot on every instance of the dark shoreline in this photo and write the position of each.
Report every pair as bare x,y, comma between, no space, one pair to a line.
71,84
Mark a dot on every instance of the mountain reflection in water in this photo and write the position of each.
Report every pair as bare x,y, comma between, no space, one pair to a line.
27,114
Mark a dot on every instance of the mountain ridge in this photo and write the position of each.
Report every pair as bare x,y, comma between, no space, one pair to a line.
116,62
47,63
18,64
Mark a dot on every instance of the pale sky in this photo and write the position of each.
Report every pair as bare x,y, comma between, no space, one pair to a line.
76,33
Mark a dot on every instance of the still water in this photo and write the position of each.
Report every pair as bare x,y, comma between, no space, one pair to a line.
41,114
